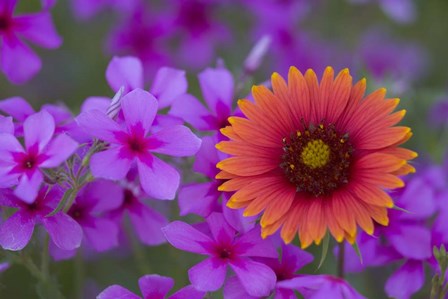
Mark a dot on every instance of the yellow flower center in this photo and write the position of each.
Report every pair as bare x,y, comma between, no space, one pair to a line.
315,154
317,159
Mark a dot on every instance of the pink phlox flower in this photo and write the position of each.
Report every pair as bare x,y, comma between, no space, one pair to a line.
17,230
152,286
131,142
18,62
224,249
21,165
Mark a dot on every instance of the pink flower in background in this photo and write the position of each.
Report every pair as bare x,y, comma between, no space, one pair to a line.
321,286
292,260
20,109
224,249
90,210
17,61
152,286
199,31
402,11
388,58
87,9
17,230
217,86
146,221
144,35
21,166
203,198
130,143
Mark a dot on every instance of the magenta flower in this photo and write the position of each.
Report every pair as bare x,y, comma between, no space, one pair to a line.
17,60
217,87
86,9
292,260
224,249
17,230
203,198
130,143
438,115
20,109
402,11
321,286
385,56
147,222
127,73
22,165
199,31
167,85
90,210
152,287
142,34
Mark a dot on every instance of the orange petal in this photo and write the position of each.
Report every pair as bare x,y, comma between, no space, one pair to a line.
299,100
250,132
383,138
406,169
333,225
280,202
241,148
271,229
313,88
372,195
339,97
248,166
229,132
400,152
387,181
379,214
344,216
325,90
291,223
379,163
362,215
356,95
234,183
315,224
224,175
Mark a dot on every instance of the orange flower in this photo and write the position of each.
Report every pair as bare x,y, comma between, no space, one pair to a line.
311,156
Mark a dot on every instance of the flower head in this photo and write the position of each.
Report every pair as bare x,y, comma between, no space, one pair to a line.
18,61
131,142
292,260
314,156
321,286
146,221
21,166
152,286
224,249
217,87
17,230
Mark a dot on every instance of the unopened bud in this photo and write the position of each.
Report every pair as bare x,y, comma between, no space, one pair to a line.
114,107
257,53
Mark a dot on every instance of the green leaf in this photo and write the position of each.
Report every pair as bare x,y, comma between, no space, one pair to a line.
325,245
61,203
358,251
436,253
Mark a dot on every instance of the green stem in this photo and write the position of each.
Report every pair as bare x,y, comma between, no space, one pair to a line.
443,292
138,253
45,258
341,258
79,274
47,287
